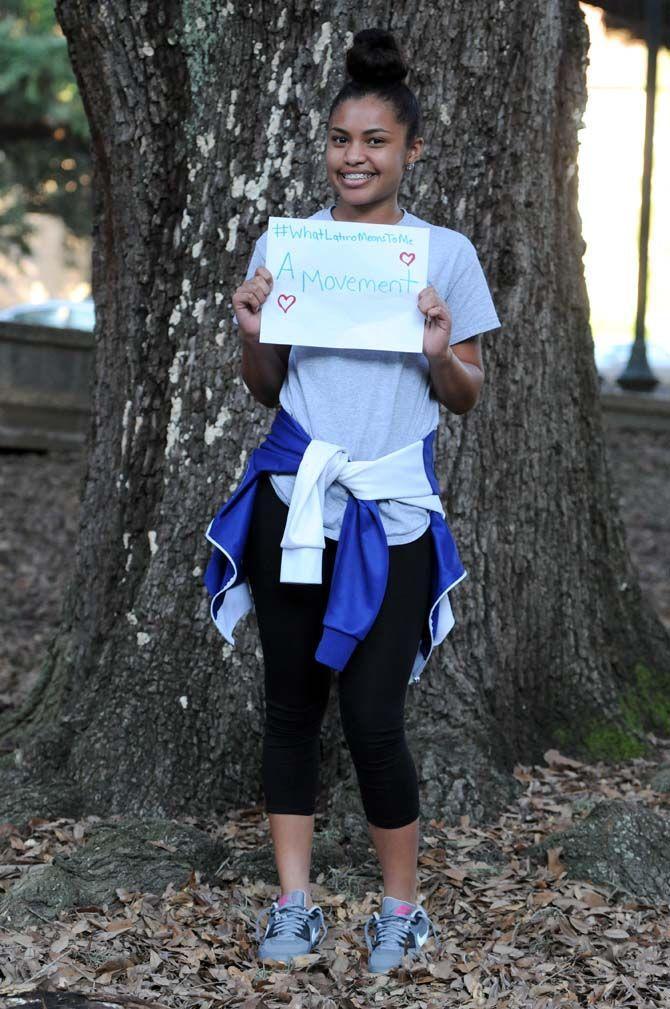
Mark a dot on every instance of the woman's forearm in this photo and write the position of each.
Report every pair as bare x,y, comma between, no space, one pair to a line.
455,383
263,368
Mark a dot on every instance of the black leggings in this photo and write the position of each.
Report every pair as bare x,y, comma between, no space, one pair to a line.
372,686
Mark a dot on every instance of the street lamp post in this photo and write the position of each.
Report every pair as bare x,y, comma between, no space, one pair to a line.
637,374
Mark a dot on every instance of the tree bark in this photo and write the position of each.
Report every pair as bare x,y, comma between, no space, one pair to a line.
205,119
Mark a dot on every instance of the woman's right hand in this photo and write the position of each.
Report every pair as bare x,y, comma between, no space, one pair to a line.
248,300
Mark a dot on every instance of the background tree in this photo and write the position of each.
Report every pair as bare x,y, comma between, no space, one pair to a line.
631,17
204,120
45,164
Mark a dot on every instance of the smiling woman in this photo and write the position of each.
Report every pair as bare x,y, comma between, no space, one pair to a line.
371,144
369,159
347,411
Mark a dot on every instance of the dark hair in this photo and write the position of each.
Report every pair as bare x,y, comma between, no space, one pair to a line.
376,66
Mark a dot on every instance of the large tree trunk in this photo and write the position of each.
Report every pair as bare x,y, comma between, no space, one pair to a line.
204,121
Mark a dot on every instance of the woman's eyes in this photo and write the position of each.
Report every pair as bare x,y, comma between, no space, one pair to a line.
380,139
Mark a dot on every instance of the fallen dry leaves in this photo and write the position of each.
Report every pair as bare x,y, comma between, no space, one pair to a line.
513,934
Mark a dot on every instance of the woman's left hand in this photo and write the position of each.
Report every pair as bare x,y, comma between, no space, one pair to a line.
437,327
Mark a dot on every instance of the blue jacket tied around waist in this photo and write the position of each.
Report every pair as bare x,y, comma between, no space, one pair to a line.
360,571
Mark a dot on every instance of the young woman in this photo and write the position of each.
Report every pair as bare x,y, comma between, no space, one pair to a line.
338,406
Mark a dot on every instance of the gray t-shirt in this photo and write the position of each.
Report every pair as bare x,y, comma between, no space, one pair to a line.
374,402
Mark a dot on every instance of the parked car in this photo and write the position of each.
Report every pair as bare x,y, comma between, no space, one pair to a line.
55,312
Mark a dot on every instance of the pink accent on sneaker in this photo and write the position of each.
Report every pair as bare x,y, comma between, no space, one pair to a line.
403,909
284,900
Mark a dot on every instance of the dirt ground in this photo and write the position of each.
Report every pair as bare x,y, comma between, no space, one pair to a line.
38,529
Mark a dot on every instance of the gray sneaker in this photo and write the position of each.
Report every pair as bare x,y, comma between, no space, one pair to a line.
400,929
292,929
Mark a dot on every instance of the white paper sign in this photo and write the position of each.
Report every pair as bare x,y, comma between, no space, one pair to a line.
342,284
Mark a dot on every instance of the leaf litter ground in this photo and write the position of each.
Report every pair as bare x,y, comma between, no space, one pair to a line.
513,933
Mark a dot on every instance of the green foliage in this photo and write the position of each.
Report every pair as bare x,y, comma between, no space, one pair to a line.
36,81
45,161
39,14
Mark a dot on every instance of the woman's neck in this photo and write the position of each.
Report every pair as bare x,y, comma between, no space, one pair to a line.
384,213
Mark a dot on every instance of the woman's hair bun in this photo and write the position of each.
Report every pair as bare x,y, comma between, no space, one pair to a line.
375,58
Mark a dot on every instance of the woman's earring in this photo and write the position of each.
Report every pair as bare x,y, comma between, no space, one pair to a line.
409,166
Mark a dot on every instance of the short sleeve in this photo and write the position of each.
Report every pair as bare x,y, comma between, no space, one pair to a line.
469,298
257,259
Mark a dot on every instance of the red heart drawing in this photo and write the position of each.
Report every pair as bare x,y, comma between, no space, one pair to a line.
407,258
285,301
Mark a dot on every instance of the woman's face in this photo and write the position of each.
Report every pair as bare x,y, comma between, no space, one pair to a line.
365,138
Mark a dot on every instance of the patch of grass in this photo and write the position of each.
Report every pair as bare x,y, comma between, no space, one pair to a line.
608,742
643,706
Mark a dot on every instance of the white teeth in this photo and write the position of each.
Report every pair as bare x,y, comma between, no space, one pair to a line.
358,175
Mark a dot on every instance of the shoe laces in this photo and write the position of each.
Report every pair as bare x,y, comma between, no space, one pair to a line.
393,929
289,920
